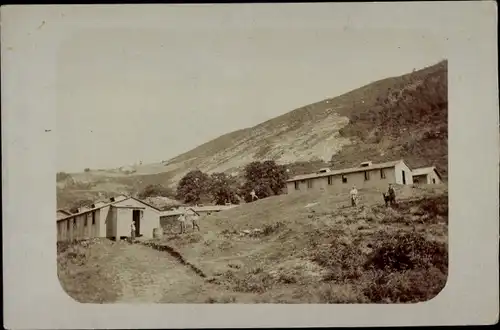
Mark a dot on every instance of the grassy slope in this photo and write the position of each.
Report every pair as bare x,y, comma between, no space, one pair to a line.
327,252
83,274
324,253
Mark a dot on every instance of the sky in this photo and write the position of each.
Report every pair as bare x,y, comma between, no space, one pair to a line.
133,94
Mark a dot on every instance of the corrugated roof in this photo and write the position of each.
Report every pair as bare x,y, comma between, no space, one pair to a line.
423,170
208,208
107,204
426,170
346,171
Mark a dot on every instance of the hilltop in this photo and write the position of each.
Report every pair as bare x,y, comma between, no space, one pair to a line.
398,117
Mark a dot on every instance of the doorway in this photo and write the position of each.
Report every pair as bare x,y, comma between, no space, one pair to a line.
136,218
404,177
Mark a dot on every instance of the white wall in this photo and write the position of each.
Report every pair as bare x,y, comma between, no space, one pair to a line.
427,178
149,221
433,175
80,227
358,179
400,167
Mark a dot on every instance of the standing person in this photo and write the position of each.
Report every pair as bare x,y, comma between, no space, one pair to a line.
391,194
354,196
194,220
182,222
253,195
132,232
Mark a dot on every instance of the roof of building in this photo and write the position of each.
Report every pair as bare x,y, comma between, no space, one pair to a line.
64,211
197,209
425,170
120,199
347,170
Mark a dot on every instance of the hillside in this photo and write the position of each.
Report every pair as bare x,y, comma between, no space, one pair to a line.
350,128
300,248
399,117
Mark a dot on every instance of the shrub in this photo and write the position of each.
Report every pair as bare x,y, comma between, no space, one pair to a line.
155,190
266,178
193,186
272,228
343,261
87,170
258,283
435,206
340,294
408,251
404,287
223,188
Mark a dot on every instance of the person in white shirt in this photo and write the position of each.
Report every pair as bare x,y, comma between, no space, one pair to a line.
182,222
253,195
194,220
354,196
132,231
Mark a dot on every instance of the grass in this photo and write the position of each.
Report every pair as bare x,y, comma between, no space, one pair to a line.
276,250
328,253
82,272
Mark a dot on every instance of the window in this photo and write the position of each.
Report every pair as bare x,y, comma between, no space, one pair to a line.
382,173
434,181
74,222
67,225
309,183
93,218
296,185
85,222
367,175
330,180
344,179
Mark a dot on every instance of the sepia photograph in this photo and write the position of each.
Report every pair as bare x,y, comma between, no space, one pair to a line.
245,166
250,165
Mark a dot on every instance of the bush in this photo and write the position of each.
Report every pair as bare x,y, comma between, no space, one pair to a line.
155,190
266,178
408,251
87,170
258,283
222,188
343,261
340,294
404,287
193,186
435,206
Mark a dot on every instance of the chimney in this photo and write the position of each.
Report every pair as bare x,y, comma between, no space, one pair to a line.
366,164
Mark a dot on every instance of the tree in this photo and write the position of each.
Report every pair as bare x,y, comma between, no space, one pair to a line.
266,178
193,186
223,189
155,190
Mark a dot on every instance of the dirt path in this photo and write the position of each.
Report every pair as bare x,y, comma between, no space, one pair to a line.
150,276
